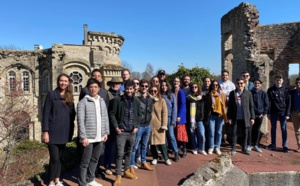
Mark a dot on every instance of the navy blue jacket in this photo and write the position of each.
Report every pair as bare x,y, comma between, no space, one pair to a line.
292,93
58,118
261,102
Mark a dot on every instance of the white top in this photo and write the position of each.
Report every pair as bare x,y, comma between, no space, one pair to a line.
227,87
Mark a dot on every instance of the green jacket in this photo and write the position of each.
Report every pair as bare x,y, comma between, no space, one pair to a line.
117,110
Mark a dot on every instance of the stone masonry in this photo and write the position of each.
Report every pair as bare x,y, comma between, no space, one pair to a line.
42,66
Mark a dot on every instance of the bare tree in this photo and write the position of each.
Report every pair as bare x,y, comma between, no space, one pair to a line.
136,75
16,111
149,72
125,64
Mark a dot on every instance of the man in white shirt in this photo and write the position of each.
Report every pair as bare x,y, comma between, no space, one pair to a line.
226,85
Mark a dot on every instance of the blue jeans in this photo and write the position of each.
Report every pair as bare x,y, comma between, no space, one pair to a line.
215,131
281,117
198,137
142,137
171,136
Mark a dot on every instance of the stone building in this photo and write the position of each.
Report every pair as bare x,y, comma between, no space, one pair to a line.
37,70
263,50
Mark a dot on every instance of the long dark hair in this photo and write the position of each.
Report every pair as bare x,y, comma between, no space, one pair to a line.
68,96
211,86
169,93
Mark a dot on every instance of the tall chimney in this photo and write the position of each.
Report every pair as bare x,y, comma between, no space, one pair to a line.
85,41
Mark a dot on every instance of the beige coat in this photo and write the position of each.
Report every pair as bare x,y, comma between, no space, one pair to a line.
159,122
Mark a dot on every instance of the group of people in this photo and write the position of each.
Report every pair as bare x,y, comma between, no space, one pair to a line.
135,117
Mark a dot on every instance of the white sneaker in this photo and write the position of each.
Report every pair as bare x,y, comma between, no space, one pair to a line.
195,152
210,151
139,161
218,151
202,152
168,162
51,184
134,166
60,183
93,183
154,162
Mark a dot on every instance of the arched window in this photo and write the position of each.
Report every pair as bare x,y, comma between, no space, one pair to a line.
25,81
12,81
76,81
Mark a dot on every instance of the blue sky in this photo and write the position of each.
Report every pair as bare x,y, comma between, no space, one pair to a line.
164,33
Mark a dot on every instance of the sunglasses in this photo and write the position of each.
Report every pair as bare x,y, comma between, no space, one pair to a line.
153,91
240,83
216,85
194,87
144,86
245,75
137,83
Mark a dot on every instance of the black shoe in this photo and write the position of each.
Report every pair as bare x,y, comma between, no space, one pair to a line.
271,147
246,152
176,158
286,150
99,174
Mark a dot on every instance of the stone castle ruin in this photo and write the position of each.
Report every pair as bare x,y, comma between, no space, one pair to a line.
263,50
37,70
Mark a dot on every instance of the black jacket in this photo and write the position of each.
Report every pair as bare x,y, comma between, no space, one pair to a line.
199,109
146,110
103,93
292,93
58,118
248,107
280,100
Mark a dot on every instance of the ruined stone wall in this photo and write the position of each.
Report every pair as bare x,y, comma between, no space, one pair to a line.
279,45
238,39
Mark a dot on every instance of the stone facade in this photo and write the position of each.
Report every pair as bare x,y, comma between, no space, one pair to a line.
263,50
42,66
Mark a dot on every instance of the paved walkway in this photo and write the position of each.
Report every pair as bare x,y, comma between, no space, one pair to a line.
267,161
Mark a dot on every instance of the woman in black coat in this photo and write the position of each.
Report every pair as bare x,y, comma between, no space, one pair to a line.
58,124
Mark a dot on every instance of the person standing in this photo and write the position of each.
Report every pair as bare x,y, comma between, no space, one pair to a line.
125,73
172,114
186,81
142,135
181,133
280,106
137,86
125,114
295,110
58,124
159,123
161,75
226,85
216,112
261,108
110,144
96,74
93,129
195,116
248,84
241,112
206,84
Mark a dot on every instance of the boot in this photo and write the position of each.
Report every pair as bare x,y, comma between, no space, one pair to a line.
132,171
184,153
176,158
147,167
128,175
118,180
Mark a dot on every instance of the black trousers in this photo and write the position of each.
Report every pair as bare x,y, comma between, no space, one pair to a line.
246,134
55,152
256,131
